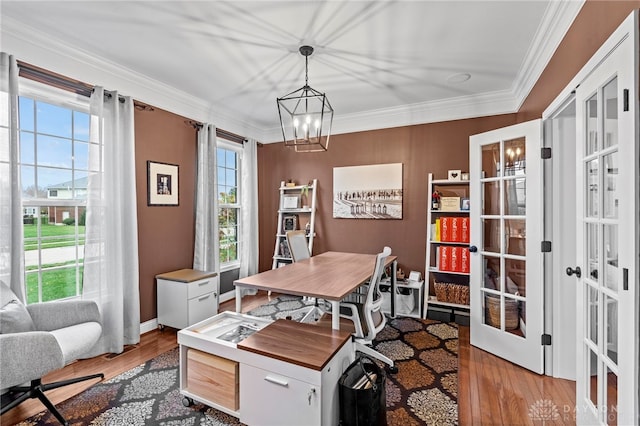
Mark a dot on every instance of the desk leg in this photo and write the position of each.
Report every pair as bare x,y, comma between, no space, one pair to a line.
238,299
335,315
392,290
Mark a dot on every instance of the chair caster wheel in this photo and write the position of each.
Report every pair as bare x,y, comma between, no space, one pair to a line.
393,369
187,402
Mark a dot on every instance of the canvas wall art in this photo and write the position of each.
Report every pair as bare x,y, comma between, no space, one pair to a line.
368,192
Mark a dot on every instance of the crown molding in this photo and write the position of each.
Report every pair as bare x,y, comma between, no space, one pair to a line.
486,104
34,46
555,23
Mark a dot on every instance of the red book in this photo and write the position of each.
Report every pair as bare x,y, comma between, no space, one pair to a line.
445,258
465,260
456,259
456,229
465,230
445,229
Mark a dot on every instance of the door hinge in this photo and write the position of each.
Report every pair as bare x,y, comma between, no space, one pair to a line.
625,99
546,340
545,153
625,279
545,247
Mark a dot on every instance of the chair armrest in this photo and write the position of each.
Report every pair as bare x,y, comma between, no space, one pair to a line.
28,356
50,316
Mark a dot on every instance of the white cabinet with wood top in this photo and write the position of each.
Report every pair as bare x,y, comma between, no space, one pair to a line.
294,380
186,296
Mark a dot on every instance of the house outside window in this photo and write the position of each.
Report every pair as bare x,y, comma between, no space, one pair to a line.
228,157
54,168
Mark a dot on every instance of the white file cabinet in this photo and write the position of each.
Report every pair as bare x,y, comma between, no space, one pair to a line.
186,296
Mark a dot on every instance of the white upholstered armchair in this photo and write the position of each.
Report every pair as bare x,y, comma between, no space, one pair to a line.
38,339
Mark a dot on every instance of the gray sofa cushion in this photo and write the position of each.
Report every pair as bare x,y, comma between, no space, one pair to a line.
14,317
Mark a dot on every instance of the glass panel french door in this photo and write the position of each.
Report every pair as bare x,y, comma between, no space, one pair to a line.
607,238
506,228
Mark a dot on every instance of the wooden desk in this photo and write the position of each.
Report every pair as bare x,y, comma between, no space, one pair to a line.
331,276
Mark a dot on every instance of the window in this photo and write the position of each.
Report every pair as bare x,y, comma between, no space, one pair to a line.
228,157
54,167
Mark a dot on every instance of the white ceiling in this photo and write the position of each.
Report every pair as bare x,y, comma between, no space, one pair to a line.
381,63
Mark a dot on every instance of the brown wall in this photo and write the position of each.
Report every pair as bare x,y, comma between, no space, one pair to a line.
165,234
429,148
595,22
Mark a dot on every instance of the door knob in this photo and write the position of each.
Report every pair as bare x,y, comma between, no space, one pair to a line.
576,271
473,249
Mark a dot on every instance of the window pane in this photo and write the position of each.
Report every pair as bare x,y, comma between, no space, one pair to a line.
27,150
220,157
53,120
231,160
516,235
81,155
592,192
610,185
26,120
514,157
491,160
222,181
55,179
231,177
491,194
515,197
592,125
53,151
28,181
81,126
610,94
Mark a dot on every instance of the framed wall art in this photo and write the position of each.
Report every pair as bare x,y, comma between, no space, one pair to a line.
368,192
162,184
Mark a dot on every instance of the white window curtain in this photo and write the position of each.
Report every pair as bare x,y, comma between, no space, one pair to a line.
206,250
11,233
249,209
111,247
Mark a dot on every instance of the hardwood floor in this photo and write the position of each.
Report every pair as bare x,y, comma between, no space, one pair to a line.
491,391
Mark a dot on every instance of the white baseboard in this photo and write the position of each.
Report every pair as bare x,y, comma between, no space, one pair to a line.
227,296
148,326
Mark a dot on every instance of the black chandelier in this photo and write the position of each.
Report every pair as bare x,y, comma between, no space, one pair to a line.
306,115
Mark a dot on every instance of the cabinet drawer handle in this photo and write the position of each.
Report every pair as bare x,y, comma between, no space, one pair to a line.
203,283
277,381
205,297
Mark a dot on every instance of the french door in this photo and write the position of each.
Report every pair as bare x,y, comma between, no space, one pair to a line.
607,240
506,243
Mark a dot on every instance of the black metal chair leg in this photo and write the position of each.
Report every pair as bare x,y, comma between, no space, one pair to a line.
52,408
61,383
37,390
26,394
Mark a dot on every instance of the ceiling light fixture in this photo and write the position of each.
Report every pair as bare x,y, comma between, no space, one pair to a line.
306,115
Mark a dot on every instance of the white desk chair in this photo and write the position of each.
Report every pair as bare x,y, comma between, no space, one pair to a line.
369,305
299,250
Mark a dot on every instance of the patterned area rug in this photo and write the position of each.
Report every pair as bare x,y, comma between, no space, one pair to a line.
423,392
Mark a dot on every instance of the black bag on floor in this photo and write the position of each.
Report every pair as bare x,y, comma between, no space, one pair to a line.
362,394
